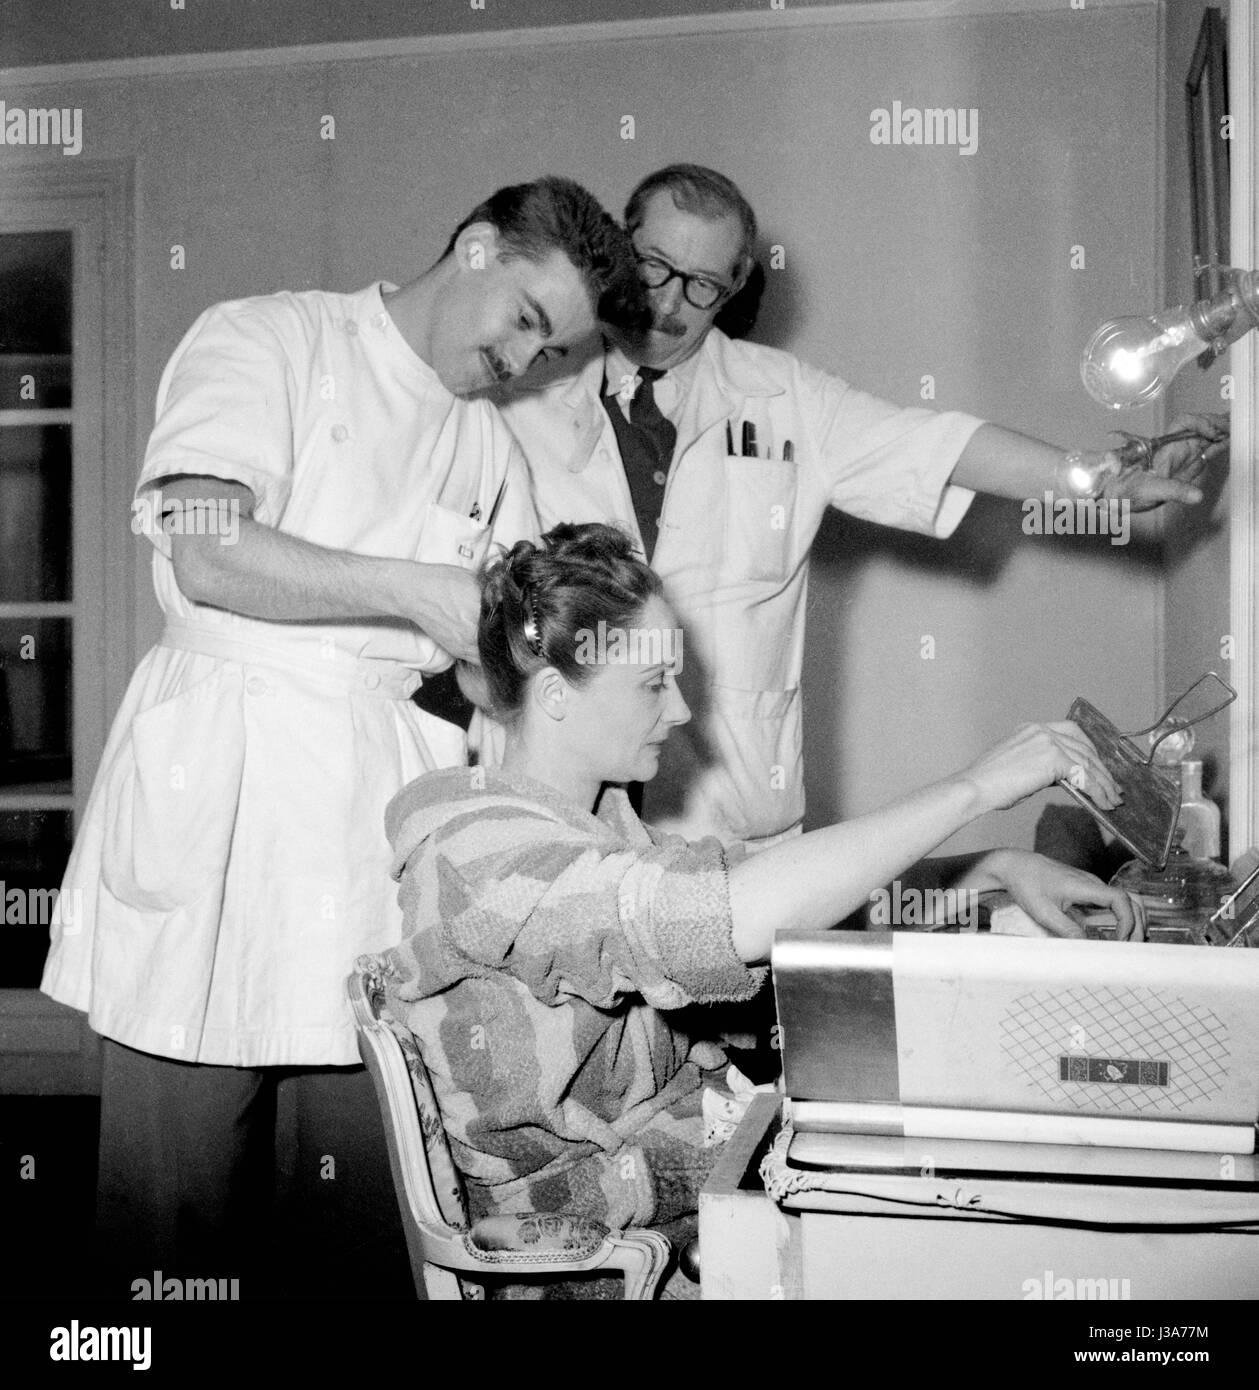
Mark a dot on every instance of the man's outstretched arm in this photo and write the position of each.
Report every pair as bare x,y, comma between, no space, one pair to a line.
1008,464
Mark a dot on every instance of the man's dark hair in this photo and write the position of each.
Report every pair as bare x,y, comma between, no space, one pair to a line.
737,316
554,214
704,192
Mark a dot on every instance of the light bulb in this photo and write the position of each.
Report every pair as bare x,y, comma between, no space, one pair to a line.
1130,361
1085,474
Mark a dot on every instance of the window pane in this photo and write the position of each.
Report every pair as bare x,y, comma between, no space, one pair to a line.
35,737
34,847
34,513
36,277
31,382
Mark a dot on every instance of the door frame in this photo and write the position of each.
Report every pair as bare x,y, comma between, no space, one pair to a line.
1243,82
45,1047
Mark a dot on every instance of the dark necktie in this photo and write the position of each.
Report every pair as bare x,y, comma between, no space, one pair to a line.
646,443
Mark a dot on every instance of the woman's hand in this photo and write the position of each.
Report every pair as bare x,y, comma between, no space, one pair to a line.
815,880
1052,893
1036,756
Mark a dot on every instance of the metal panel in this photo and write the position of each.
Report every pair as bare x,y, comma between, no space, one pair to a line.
837,1016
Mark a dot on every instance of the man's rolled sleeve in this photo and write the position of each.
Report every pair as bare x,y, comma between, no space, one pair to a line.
891,464
224,410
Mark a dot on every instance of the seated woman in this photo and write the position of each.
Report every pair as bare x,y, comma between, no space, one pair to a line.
549,933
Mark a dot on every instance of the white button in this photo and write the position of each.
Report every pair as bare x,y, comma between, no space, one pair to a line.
658,478
340,434
351,327
381,319
256,685
604,455
371,680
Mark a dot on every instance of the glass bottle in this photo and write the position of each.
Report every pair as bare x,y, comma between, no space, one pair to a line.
1199,818
1179,897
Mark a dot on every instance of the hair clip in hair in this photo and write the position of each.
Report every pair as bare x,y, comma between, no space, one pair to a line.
533,635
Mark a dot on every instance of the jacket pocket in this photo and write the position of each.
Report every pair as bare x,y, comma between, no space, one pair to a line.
450,538
173,796
759,499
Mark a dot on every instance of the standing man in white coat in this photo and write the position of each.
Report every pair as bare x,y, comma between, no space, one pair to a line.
722,457
319,487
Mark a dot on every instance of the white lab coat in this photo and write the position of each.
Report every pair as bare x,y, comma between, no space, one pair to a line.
733,547
233,860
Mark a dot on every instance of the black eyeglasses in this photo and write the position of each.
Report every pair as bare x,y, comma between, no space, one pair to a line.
698,290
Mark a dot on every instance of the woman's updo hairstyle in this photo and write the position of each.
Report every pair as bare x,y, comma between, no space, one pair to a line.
535,599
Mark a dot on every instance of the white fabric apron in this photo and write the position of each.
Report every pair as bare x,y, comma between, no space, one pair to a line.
233,860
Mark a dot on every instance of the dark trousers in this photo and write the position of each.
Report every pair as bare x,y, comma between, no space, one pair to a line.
275,1176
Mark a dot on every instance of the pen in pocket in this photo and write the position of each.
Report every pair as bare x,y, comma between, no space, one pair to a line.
475,513
498,502
749,447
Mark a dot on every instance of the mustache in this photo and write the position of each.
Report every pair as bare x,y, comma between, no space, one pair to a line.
671,328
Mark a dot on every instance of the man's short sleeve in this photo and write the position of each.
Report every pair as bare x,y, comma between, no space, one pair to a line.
224,410
887,463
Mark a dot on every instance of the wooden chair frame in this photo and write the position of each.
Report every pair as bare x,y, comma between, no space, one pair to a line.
440,1251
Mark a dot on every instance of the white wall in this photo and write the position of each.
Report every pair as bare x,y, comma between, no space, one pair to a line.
900,262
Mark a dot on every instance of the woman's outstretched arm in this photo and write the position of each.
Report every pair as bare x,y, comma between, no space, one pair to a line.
821,877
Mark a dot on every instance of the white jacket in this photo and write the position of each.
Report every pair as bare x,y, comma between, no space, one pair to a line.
733,548
232,861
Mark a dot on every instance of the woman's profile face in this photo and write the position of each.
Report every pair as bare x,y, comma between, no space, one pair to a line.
619,719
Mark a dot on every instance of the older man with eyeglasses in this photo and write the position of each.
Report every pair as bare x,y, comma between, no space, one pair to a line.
722,457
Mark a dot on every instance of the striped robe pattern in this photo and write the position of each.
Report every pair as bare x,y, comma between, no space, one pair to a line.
543,948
